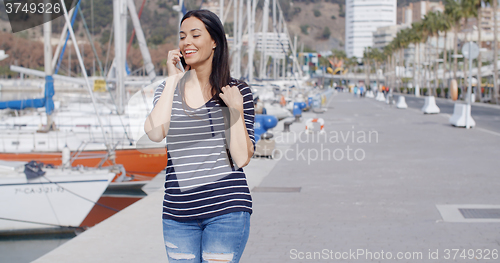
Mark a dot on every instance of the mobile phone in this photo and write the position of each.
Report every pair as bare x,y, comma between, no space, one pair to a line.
182,64
179,66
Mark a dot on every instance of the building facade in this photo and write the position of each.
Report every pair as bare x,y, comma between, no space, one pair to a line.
384,35
414,12
363,17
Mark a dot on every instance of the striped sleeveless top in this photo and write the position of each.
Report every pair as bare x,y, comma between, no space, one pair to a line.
200,181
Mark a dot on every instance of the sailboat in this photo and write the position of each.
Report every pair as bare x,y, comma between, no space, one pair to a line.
95,135
38,196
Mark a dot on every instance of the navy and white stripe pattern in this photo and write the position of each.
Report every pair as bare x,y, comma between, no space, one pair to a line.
200,181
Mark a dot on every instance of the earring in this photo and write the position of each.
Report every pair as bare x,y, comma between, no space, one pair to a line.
213,48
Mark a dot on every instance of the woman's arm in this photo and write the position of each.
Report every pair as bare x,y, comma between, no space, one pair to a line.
242,114
240,146
158,122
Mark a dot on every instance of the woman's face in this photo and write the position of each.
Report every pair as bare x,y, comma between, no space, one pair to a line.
195,43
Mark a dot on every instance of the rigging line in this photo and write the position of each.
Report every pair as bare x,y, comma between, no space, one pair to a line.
133,31
119,117
84,198
33,222
290,41
108,50
52,207
66,42
91,40
103,72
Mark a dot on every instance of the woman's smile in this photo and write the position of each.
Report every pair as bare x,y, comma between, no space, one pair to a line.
189,53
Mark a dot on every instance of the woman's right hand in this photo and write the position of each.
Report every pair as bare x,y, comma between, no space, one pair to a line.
174,57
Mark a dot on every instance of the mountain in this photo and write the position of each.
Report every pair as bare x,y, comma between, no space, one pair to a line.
319,25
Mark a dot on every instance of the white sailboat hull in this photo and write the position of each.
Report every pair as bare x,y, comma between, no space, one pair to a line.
59,198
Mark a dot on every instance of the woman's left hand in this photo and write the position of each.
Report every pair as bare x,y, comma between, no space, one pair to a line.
231,95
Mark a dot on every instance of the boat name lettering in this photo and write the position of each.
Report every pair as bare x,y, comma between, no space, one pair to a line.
39,190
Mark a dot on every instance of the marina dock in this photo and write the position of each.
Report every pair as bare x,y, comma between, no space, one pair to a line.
384,180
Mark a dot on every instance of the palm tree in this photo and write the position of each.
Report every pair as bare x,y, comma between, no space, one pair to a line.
431,25
469,10
494,4
387,54
444,25
479,59
351,63
377,58
495,52
404,39
414,38
366,64
454,12
423,31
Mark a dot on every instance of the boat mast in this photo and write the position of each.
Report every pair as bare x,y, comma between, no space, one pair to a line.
119,23
221,11
236,62
111,154
263,55
49,80
143,46
278,38
251,6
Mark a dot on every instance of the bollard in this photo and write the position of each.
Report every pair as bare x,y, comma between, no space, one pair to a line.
263,123
460,113
401,104
264,147
286,124
380,96
430,106
297,110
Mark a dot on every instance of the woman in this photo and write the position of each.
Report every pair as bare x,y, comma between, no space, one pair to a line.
207,118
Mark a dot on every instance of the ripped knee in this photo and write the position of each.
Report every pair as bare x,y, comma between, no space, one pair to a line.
170,245
177,255
217,257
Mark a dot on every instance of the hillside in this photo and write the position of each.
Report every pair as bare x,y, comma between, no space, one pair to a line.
319,25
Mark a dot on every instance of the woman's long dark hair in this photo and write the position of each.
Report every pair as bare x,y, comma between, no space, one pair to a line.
220,75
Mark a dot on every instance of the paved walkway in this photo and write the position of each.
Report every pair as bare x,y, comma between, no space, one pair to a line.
487,116
382,202
388,200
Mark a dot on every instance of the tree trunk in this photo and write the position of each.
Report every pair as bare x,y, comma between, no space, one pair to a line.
367,71
417,71
436,65
414,63
445,59
424,79
455,51
466,78
495,53
479,59
401,66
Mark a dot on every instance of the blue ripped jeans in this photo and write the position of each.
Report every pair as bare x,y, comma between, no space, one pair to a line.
221,238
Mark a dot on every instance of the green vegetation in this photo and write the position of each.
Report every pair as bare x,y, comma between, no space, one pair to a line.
326,33
333,17
341,10
229,28
304,29
317,13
